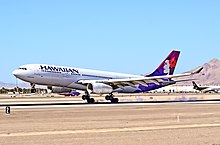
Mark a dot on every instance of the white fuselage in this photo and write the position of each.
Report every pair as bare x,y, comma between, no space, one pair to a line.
215,89
51,75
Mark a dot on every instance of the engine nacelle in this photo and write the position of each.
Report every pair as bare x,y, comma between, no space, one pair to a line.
99,88
59,89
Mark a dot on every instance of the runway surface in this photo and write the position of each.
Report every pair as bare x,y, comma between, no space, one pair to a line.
190,123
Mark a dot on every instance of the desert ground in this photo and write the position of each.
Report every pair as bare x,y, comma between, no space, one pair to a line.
147,123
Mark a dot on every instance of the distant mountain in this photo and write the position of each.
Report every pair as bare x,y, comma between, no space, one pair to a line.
6,85
20,85
11,85
210,75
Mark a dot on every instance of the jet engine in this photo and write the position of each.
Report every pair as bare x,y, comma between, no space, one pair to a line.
59,89
99,88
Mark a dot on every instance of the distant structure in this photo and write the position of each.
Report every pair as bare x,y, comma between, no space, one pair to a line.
176,89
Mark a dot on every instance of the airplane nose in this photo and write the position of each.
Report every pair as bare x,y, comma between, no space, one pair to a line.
16,73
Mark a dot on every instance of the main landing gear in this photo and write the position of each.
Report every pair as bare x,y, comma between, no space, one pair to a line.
111,98
87,97
92,100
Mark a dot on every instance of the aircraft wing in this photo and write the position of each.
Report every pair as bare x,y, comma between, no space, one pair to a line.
139,80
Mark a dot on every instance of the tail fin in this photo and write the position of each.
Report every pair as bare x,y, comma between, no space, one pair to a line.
167,67
195,86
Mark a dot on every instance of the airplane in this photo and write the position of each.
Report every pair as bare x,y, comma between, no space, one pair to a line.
206,89
101,82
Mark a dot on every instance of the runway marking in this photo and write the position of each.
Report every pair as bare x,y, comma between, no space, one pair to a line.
108,130
82,104
46,105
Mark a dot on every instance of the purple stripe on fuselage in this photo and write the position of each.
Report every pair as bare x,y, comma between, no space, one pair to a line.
151,86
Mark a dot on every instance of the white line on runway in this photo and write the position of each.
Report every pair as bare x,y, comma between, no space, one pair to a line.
44,105
50,104
108,130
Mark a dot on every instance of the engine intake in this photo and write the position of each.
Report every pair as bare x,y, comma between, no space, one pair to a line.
99,88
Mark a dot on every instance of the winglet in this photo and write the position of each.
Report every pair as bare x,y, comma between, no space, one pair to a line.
197,71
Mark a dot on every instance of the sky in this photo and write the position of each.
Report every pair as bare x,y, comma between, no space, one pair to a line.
128,36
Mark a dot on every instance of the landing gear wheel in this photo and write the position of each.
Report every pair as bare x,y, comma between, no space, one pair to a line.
114,100
91,100
84,97
87,98
111,98
33,89
108,97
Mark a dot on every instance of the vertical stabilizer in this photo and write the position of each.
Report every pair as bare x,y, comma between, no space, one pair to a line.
168,66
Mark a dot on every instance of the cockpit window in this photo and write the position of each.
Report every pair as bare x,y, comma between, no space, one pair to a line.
23,68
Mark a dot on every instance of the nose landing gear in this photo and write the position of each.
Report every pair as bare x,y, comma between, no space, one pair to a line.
33,89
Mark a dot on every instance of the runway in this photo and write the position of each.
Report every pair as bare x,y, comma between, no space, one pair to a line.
103,124
40,101
110,130
73,104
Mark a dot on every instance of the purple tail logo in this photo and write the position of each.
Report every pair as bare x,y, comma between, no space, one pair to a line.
167,67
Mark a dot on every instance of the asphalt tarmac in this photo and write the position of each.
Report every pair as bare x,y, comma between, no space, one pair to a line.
147,123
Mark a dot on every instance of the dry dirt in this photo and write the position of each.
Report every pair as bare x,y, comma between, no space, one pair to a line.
106,124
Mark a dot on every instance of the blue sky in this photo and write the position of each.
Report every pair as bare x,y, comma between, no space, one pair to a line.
117,35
